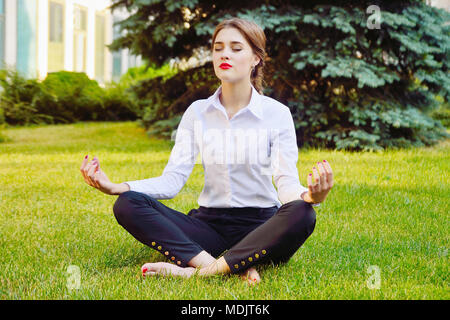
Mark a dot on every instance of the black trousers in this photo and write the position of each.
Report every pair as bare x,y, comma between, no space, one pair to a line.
244,236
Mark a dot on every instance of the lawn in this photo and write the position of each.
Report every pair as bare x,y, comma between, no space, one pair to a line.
383,232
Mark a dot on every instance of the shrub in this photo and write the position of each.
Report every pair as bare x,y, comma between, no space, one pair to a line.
71,97
63,97
17,101
119,103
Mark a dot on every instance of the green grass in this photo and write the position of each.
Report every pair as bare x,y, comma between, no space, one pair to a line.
387,209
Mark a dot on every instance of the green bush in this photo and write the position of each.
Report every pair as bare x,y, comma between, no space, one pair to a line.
17,100
128,91
63,97
70,97
119,103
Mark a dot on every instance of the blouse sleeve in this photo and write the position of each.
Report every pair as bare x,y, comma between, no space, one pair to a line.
179,167
284,153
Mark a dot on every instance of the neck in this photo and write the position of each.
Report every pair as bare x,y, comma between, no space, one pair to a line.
235,96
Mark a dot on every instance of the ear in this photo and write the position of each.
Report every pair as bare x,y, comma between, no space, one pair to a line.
257,60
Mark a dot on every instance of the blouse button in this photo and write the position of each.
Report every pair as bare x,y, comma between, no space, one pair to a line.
243,263
250,259
236,266
166,253
173,258
153,243
159,247
263,251
178,262
256,255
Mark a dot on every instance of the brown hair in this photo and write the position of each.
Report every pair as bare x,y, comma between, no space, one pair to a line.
256,38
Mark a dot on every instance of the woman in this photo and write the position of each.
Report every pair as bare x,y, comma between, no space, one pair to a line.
240,222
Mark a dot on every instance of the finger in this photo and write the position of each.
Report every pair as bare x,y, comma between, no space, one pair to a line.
318,182
83,165
329,172
86,170
97,172
316,177
96,177
91,174
322,172
95,161
310,183
91,170
323,176
87,166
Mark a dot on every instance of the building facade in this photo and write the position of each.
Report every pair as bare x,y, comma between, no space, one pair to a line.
42,36
442,4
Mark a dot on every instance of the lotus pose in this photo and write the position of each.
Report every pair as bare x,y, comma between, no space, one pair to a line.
245,139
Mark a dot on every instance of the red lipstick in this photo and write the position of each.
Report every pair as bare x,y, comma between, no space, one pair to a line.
225,66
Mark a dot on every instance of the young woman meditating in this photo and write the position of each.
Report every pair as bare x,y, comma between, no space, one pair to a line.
245,139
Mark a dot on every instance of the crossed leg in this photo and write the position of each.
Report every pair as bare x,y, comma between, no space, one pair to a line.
162,228
276,240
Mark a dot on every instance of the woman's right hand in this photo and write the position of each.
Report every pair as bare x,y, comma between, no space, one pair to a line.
96,178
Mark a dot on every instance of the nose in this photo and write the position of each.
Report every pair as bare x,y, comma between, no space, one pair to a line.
225,54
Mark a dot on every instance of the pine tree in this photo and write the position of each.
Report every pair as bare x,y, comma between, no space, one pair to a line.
353,78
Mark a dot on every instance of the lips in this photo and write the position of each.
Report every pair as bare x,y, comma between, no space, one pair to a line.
225,66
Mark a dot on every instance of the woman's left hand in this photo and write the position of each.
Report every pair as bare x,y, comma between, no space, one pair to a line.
322,184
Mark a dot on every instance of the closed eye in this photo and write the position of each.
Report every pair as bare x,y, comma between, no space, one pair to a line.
233,49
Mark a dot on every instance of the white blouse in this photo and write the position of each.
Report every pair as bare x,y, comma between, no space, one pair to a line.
239,155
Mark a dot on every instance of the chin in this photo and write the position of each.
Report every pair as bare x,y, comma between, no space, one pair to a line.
229,79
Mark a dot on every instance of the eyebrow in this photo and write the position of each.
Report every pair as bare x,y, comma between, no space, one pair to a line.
220,42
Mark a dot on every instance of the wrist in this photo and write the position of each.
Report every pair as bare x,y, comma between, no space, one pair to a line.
305,197
119,188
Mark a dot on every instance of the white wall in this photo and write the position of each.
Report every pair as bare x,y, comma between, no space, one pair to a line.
10,33
42,39
68,32
443,4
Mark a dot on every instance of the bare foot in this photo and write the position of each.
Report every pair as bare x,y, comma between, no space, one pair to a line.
251,276
166,269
